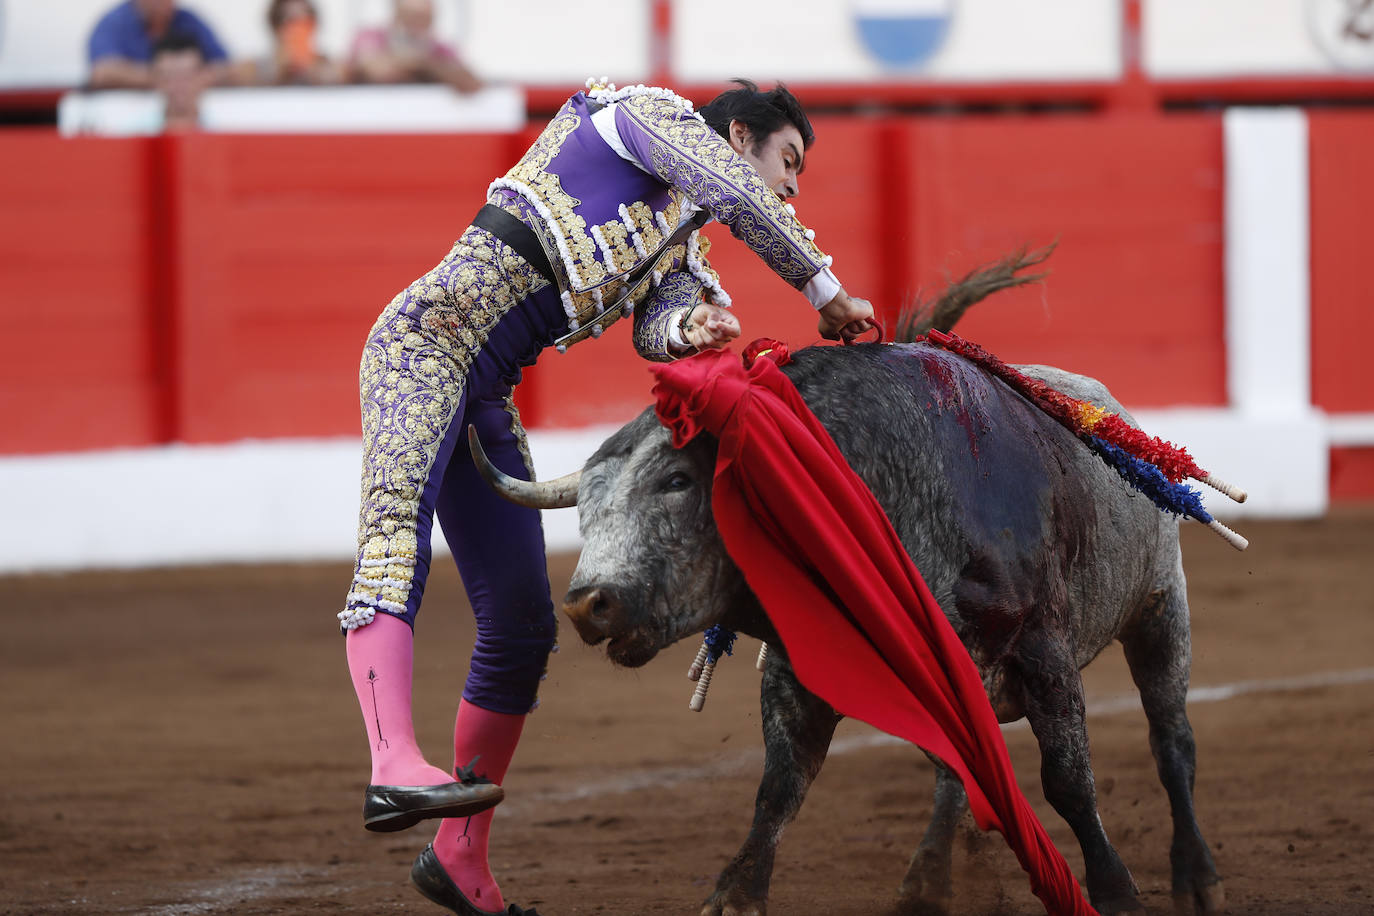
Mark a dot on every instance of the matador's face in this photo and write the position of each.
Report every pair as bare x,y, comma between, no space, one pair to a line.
779,159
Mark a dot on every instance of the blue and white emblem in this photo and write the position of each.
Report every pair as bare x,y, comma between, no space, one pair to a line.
903,34
1344,31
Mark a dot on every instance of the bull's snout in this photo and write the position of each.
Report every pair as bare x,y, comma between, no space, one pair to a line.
594,611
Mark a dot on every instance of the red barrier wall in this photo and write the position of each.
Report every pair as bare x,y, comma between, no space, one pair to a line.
80,367
218,287
289,247
1136,281
1352,474
1342,225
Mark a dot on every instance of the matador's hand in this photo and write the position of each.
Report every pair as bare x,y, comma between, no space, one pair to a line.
710,326
845,318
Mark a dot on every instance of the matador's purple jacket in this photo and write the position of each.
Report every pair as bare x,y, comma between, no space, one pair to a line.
610,181
614,191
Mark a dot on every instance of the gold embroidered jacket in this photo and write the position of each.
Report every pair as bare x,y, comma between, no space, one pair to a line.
619,227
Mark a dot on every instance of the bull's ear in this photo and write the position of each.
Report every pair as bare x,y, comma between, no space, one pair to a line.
551,494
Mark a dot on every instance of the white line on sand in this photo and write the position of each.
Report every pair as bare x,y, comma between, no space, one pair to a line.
629,781
285,881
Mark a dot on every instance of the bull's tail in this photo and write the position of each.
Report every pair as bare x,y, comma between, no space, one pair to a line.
945,310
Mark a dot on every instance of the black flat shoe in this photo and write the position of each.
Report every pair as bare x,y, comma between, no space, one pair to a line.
388,808
430,879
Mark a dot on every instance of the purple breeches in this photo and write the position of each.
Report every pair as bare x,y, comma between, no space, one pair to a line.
444,354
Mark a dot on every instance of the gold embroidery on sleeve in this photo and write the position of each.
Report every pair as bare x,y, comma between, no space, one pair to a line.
694,157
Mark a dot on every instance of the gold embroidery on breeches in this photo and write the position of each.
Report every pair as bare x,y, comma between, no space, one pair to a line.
411,380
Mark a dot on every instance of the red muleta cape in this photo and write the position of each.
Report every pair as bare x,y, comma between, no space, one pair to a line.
861,628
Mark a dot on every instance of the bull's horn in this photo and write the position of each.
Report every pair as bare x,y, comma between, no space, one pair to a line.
549,494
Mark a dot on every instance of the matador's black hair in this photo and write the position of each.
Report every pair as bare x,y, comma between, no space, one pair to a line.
761,112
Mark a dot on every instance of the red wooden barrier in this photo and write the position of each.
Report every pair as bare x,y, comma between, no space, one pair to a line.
212,288
79,370
291,246
1342,225
1135,292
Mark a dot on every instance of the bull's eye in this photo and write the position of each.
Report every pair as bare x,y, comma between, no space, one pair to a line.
676,481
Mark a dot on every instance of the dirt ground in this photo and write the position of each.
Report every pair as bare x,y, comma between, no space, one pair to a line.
186,742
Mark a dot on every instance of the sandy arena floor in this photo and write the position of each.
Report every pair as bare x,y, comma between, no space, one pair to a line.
159,760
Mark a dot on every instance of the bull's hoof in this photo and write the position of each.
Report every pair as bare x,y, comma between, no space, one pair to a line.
1207,900
926,890
1119,905
720,906
912,905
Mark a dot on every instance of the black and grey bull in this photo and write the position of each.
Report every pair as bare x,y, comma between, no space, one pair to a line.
1038,554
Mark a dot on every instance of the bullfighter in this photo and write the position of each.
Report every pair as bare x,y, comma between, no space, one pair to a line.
598,221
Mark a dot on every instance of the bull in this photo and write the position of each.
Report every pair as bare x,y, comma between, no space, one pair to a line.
1038,554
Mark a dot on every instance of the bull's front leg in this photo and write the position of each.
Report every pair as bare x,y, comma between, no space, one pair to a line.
797,728
1158,649
1053,698
928,886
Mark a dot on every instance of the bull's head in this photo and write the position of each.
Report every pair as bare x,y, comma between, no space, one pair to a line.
653,568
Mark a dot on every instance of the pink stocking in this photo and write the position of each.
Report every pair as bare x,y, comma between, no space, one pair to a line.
381,661
461,843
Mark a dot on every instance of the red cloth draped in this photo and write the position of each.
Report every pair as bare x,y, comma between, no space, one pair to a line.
859,624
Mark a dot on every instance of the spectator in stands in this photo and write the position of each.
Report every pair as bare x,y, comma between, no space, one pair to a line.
295,59
120,51
407,51
180,73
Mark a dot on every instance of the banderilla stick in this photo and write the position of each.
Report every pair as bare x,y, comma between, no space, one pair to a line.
694,671
700,671
702,667
1235,540
703,684
1230,489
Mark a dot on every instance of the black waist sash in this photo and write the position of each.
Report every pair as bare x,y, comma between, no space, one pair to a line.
517,235
520,237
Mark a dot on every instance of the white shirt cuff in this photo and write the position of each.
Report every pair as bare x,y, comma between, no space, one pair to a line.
676,342
821,288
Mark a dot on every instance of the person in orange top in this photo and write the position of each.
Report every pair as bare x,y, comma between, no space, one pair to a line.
295,58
